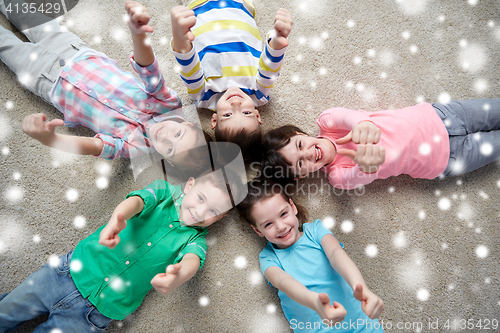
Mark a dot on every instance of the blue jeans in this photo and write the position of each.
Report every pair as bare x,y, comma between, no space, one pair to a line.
51,291
474,130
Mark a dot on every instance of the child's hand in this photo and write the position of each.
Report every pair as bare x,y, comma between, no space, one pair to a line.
164,283
282,26
371,304
35,126
333,313
109,235
368,156
183,19
138,18
364,132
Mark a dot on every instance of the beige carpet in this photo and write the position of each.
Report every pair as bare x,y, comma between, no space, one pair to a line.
436,240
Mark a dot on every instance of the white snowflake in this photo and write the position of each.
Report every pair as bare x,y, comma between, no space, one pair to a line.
240,262
102,182
371,250
79,222
481,85
36,239
76,265
328,222
486,149
412,7
256,278
444,204
482,251
204,301
423,294
54,261
351,24
14,194
347,226
72,195
271,308
424,149
473,58
399,240
444,98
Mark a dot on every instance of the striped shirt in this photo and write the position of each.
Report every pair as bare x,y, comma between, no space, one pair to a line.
92,91
227,53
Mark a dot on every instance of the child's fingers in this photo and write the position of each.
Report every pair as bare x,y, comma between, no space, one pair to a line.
51,125
190,36
324,298
282,28
174,269
345,139
347,152
358,292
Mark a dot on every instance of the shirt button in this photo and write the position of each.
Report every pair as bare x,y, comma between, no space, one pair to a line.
149,243
137,117
170,226
121,109
62,62
147,105
105,101
90,91
106,279
127,262
176,204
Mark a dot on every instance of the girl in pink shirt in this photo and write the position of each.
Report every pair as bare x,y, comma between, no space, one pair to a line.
356,147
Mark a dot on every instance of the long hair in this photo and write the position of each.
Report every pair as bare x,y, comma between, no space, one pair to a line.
260,189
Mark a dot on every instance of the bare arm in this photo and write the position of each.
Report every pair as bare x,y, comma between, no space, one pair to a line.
118,221
300,294
36,126
371,304
137,22
177,274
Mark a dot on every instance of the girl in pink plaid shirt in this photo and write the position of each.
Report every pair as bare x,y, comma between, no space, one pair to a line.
130,117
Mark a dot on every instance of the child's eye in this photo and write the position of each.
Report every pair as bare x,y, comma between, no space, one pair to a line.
226,115
170,149
284,214
247,112
300,164
178,134
213,212
267,225
300,145
200,198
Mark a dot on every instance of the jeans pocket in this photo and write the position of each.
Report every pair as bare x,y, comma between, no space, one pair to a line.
64,263
96,319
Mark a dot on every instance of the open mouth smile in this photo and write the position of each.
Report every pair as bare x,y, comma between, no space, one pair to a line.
285,234
318,154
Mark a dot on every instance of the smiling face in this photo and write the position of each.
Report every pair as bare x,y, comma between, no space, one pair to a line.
203,203
170,138
276,219
307,154
236,110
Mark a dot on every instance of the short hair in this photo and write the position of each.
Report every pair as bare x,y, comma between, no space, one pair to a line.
262,188
195,161
273,163
249,143
226,180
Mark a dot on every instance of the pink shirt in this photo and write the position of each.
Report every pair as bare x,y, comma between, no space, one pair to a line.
415,139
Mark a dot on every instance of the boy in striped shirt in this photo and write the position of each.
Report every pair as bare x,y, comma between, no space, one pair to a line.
219,49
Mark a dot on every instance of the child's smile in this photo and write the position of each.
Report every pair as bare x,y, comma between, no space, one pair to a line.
307,154
275,218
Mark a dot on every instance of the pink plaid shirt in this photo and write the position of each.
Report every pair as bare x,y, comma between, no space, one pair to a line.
94,92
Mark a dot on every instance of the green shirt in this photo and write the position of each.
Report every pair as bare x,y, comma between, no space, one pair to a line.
116,281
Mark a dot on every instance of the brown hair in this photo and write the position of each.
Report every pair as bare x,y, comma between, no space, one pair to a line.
249,143
260,189
273,163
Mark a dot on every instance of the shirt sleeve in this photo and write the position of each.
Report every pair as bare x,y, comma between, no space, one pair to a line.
191,73
196,246
268,258
154,84
152,195
269,67
113,147
340,120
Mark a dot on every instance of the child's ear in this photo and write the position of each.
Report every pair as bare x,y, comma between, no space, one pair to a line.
294,208
257,115
214,120
257,231
189,185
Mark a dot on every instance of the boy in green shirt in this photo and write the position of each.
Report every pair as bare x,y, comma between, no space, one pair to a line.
155,238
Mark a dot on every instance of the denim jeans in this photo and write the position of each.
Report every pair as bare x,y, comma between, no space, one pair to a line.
51,291
474,130
37,64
